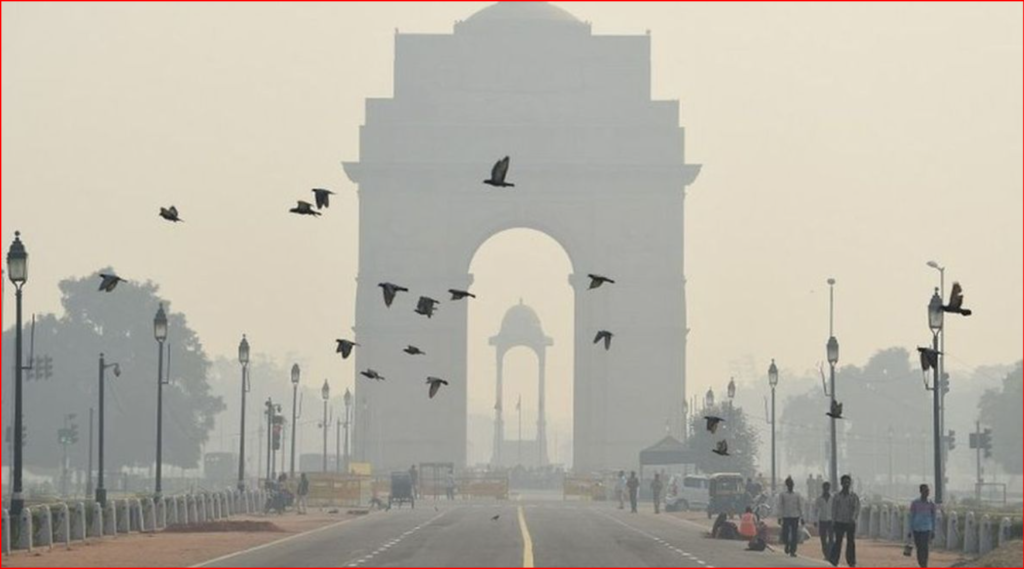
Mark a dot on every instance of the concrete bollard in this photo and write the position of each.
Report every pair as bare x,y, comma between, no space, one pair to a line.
193,510
986,536
159,513
109,516
874,523
148,515
208,507
896,524
7,533
940,529
135,516
907,533
953,532
94,521
1004,531
883,522
26,531
970,534
201,509
44,530
124,517
863,523
62,525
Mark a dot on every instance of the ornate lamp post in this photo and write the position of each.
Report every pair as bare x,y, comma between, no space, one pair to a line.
348,421
773,382
325,393
160,333
243,359
17,271
832,352
709,399
936,320
296,378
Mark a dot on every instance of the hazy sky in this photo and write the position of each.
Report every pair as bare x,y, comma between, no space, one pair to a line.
848,140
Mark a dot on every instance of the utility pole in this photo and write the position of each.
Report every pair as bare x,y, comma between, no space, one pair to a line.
892,481
978,481
88,475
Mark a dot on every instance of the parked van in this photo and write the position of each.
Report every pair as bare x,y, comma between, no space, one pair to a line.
692,493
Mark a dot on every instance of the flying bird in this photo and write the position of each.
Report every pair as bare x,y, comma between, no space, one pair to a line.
496,518
929,359
323,198
956,302
414,351
371,374
837,410
435,384
390,291
713,423
596,281
170,214
499,173
345,348
460,294
606,336
721,449
426,306
110,282
305,208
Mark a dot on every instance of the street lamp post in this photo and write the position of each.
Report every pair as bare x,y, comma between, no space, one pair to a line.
773,382
101,491
936,318
243,358
160,333
832,351
296,377
348,420
17,271
325,393
942,363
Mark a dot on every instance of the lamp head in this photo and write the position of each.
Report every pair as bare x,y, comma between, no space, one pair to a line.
296,374
773,375
243,351
17,261
160,324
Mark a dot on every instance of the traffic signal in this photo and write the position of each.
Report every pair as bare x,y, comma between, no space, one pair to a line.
277,431
73,434
985,442
952,440
46,368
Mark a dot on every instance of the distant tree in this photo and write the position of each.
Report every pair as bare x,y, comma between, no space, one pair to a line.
119,324
743,442
1001,410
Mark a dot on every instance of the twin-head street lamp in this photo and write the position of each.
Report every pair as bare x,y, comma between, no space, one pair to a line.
296,378
936,320
325,393
17,271
160,333
773,382
243,358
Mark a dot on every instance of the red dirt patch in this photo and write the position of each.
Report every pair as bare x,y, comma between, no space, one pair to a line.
228,527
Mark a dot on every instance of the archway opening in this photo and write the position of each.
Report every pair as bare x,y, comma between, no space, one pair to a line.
513,268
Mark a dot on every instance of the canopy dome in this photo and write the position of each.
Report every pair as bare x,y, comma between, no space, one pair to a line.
523,12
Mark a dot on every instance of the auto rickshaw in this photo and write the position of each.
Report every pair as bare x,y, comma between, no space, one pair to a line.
402,491
728,495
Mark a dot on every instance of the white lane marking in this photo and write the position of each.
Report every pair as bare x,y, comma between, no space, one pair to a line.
395,542
276,543
657,540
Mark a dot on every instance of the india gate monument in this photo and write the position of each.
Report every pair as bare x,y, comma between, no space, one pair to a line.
599,167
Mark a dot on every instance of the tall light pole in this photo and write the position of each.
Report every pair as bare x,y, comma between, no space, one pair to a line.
296,378
17,271
936,319
243,359
270,439
325,393
832,352
101,491
773,382
348,421
160,333
942,362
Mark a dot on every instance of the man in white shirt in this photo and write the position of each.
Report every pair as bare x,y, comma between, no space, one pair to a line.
790,509
822,515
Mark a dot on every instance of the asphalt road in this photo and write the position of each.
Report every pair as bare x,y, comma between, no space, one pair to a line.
526,534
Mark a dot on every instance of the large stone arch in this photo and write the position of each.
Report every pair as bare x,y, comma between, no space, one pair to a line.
599,168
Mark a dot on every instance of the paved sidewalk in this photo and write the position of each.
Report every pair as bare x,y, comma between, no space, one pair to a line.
171,549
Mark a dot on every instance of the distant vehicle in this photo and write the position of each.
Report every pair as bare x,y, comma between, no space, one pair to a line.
728,495
693,494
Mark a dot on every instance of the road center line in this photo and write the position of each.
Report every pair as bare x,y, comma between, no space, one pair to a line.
527,541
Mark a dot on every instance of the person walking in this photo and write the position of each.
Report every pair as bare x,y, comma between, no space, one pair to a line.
449,486
620,489
922,524
791,511
303,495
633,486
657,486
845,513
822,515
